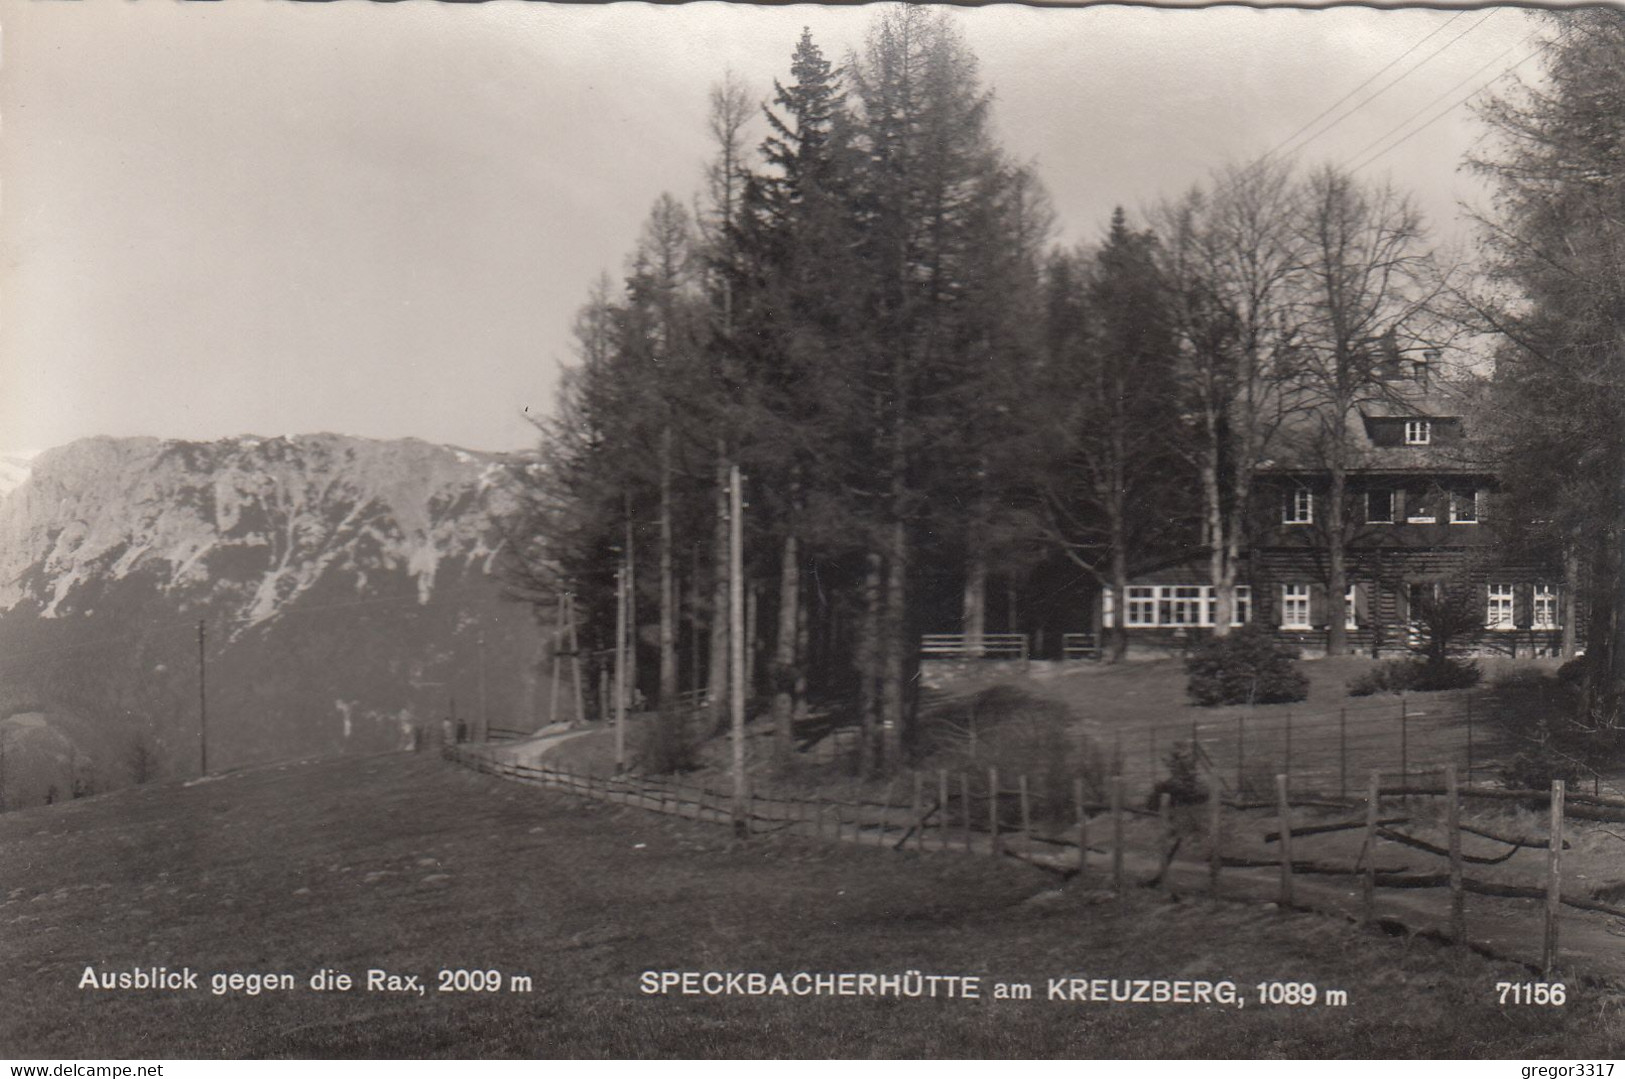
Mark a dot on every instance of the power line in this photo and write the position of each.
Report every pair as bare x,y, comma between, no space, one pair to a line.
1447,111
1361,152
1401,77
1374,77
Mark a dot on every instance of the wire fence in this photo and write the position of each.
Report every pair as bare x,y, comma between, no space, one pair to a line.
1328,750
1079,835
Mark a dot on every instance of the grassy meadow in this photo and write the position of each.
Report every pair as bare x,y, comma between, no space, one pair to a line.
408,864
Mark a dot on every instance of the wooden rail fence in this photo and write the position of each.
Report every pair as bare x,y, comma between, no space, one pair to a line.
956,813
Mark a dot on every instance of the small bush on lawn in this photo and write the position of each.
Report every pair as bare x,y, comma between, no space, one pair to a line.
1535,768
1394,676
666,744
1433,675
1415,676
1183,784
1522,678
1021,733
1248,667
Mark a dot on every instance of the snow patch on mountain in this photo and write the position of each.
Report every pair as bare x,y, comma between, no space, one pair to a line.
259,520
14,469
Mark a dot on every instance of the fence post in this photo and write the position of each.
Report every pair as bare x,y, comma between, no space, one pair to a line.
1469,739
1283,811
1165,818
964,808
1083,827
1026,815
997,847
1288,768
1368,884
919,811
1342,753
1554,881
1117,835
1214,858
1241,755
1458,910
1404,749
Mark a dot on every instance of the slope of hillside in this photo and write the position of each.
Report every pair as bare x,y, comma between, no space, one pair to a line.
344,588
406,864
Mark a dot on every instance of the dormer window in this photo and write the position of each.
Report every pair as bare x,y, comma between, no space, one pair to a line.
1418,432
1298,507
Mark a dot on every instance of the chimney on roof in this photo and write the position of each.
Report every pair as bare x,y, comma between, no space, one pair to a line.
1421,370
1388,365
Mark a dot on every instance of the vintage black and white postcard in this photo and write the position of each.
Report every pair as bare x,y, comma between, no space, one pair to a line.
711,530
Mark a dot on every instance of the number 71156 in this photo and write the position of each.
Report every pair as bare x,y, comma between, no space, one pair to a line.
1551,994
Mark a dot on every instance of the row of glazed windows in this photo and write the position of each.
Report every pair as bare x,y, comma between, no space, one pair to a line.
1499,612
1153,606
1382,506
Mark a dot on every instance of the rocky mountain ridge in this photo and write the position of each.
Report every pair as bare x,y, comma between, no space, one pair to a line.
346,589
292,508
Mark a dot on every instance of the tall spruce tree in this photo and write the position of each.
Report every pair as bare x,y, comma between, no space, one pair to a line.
802,288
1557,240
1109,495
923,131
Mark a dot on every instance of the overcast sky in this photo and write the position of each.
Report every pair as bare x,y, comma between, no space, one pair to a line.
379,220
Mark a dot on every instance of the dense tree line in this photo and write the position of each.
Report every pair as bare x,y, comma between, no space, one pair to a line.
947,421
1553,297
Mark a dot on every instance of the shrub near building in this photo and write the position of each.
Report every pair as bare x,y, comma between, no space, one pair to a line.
1247,667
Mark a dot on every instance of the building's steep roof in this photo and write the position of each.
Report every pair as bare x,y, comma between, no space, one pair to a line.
1374,431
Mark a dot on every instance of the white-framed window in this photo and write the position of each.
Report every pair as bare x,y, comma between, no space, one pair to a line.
1379,506
1186,606
1422,507
1418,432
1351,617
1298,506
1295,607
1178,605
1463,507
1545,607
1142,605
1499,615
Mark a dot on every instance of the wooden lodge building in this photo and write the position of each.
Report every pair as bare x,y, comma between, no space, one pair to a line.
1417,523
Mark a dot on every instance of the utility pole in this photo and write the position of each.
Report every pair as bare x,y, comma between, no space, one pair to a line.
575,657
485,723
558,648
736,648
620,667
631,610
202,705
